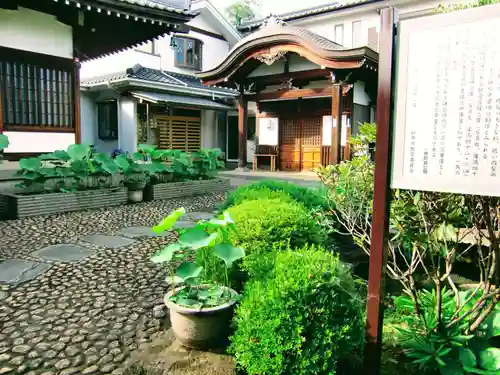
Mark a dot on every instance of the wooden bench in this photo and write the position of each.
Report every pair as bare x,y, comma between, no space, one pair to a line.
266,151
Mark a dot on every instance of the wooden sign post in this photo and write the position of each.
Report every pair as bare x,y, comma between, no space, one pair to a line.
445,77
381,197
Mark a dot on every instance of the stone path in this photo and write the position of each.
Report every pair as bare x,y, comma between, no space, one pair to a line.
78,292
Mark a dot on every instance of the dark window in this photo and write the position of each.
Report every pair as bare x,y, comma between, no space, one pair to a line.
186,112
36,90
360,115
107,120
188,53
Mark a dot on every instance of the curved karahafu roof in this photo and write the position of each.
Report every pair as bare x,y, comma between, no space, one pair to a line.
275,39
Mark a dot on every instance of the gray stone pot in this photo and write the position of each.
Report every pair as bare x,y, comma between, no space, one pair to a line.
201,328
135,196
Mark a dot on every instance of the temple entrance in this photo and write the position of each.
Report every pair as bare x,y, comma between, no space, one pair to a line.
300,143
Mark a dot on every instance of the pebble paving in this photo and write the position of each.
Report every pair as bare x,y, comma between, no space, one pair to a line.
78,293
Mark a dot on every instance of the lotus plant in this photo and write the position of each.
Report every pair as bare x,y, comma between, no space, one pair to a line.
210,236
4,142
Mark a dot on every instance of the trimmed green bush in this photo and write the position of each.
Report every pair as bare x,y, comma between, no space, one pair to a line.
304,319
311,198
265,224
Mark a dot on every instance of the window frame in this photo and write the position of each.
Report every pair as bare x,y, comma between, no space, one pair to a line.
197,53
340,25
113,128
359,37
37,92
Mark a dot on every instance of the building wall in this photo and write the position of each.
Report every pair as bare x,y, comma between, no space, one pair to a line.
214,50
369,17
28,30
32,31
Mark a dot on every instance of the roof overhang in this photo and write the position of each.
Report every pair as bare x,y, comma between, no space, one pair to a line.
279,44
103,27
185,101
126,83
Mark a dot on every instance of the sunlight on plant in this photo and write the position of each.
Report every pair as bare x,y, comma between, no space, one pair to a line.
210,235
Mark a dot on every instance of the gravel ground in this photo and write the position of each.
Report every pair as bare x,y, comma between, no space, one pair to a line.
85,317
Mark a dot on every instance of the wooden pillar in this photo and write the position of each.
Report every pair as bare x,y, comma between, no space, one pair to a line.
76,102
335,154
1,106
242,131
381,199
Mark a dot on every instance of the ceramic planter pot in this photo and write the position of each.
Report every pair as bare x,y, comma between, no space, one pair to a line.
201,329
135,191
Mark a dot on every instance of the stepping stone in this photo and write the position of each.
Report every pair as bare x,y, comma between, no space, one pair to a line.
15,271
135,232
199,215
3,295
112,242
183,224
63,253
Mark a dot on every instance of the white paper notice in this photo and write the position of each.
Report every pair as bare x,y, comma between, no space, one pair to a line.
268,131
327,130
447,125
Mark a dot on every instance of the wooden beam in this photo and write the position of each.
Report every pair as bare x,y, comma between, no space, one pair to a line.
1,100
381,198
291,94
242,130
207,33
277,78
335,154
76,103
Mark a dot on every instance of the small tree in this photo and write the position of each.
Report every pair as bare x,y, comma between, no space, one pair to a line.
241,10
429,232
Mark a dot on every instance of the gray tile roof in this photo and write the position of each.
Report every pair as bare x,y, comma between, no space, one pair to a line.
307,12
177,6
157,76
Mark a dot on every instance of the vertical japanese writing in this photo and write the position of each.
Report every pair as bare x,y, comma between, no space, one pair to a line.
412,151
461,104
444,104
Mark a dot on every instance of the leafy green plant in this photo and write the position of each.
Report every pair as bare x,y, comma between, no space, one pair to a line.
4,142
441,342
311,198
265,222
77,168
213,235
305,318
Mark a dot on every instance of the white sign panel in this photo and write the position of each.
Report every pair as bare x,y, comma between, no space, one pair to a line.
327,130
447,121
268,131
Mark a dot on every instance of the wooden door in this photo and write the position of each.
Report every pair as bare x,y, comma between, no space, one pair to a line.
300,143
311,142
179,133
290,144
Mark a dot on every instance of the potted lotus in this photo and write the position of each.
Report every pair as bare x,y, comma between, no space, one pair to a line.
202,308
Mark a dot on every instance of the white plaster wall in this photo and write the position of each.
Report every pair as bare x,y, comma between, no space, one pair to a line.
368,15
38,142
208,129
127,124
298,63
33,31
360,95
214,51
265,70
88,109
268,131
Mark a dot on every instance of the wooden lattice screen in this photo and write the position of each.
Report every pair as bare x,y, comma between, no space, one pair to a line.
36,91
179,133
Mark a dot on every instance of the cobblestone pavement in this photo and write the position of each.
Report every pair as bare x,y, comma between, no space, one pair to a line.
77,291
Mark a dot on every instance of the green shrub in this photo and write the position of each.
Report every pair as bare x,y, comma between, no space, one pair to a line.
266,223
311,198
304,319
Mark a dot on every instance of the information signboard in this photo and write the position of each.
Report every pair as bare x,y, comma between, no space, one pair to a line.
447,103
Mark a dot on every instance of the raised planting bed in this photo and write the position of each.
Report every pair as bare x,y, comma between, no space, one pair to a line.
19,205
185,189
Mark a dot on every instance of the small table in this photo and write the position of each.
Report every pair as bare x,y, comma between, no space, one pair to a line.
273,161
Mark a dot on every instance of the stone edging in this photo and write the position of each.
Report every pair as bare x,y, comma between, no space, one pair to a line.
18,206
185,189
